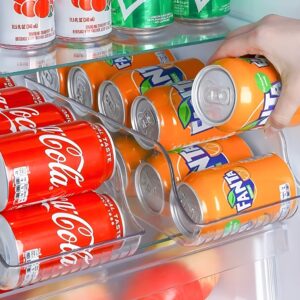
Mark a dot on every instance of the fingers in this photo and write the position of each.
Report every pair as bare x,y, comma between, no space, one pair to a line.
241,30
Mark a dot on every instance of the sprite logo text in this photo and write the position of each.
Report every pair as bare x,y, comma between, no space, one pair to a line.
120,63
186,112
157,76
197,159
241,192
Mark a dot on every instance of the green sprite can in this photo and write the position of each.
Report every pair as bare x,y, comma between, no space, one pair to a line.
142,16
201,11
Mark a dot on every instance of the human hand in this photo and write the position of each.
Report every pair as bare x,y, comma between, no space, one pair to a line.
278,39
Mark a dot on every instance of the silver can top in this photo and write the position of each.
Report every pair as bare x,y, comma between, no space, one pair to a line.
49,78
188,213
79,86
214,95
110,103
149,188
144,119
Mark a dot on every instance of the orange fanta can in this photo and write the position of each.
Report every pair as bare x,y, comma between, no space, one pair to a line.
232,190
237,94
153,179
165,114
84,80
116,95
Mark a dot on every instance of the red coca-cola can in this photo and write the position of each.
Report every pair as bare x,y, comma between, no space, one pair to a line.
53,228
6,82
19,96
33,116
54,161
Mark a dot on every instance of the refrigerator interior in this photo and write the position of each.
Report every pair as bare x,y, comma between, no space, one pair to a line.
260,264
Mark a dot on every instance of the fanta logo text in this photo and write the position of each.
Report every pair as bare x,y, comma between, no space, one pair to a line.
20,118
184,88
198,159
241,192
63,152
74,231
260,62
157,76
121,63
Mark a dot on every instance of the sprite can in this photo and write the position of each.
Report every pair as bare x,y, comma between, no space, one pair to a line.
142,16
201,11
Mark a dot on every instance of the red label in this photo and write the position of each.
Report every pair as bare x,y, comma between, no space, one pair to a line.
60,226
19,96
6,82
56,161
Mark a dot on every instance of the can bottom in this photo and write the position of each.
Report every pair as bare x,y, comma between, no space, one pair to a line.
199,22
140,31
9,269
27,47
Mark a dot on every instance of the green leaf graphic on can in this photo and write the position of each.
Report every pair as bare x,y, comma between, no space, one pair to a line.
184,113
178,151
250,125
263,82
145,86
231,199
109,62
232,226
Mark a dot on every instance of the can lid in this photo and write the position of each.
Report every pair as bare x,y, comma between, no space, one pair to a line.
122,168
4,184
110,103
8,251
49,78
187,220
214,95
149,188
144,119
79,87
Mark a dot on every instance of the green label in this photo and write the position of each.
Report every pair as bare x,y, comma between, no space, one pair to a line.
263,82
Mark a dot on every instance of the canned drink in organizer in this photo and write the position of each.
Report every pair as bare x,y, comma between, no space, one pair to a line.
165,114
153,179
27,23
129,155
85,80
201,12
231,102
51,229
142,16
116,95
6,82
85,20
33,116
227,191
55,79
54,161
19,96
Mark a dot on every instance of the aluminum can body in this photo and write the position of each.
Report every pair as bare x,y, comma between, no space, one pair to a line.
6,82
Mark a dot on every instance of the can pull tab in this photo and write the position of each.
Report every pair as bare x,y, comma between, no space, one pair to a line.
217,95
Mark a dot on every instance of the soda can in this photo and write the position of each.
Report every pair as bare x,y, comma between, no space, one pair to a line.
33,116
6,82
54,161
116,95
201,12
129,154
51,229
84,80
142,17
165,114
236,103
228,191
153,179
82,21
19,96
27,24
55,79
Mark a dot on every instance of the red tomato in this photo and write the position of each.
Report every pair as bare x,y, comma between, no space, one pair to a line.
27,8
85,5
42,8
98,5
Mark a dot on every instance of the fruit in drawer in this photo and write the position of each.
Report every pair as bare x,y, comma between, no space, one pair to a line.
34,8
88,5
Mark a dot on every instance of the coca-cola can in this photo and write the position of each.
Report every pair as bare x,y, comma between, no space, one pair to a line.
82,20
6,82
27,23
51,229
19,96
54,161
33,116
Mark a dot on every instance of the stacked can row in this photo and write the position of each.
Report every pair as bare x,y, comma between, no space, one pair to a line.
37,22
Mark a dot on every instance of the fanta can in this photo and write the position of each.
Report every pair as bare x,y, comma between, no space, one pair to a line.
165,114
116,95
235,197
153,179
237,94
84,80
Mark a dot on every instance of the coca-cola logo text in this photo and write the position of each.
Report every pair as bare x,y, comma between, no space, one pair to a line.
73,230
66,156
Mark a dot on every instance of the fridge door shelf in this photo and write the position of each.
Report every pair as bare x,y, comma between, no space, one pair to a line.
163,219
16,62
